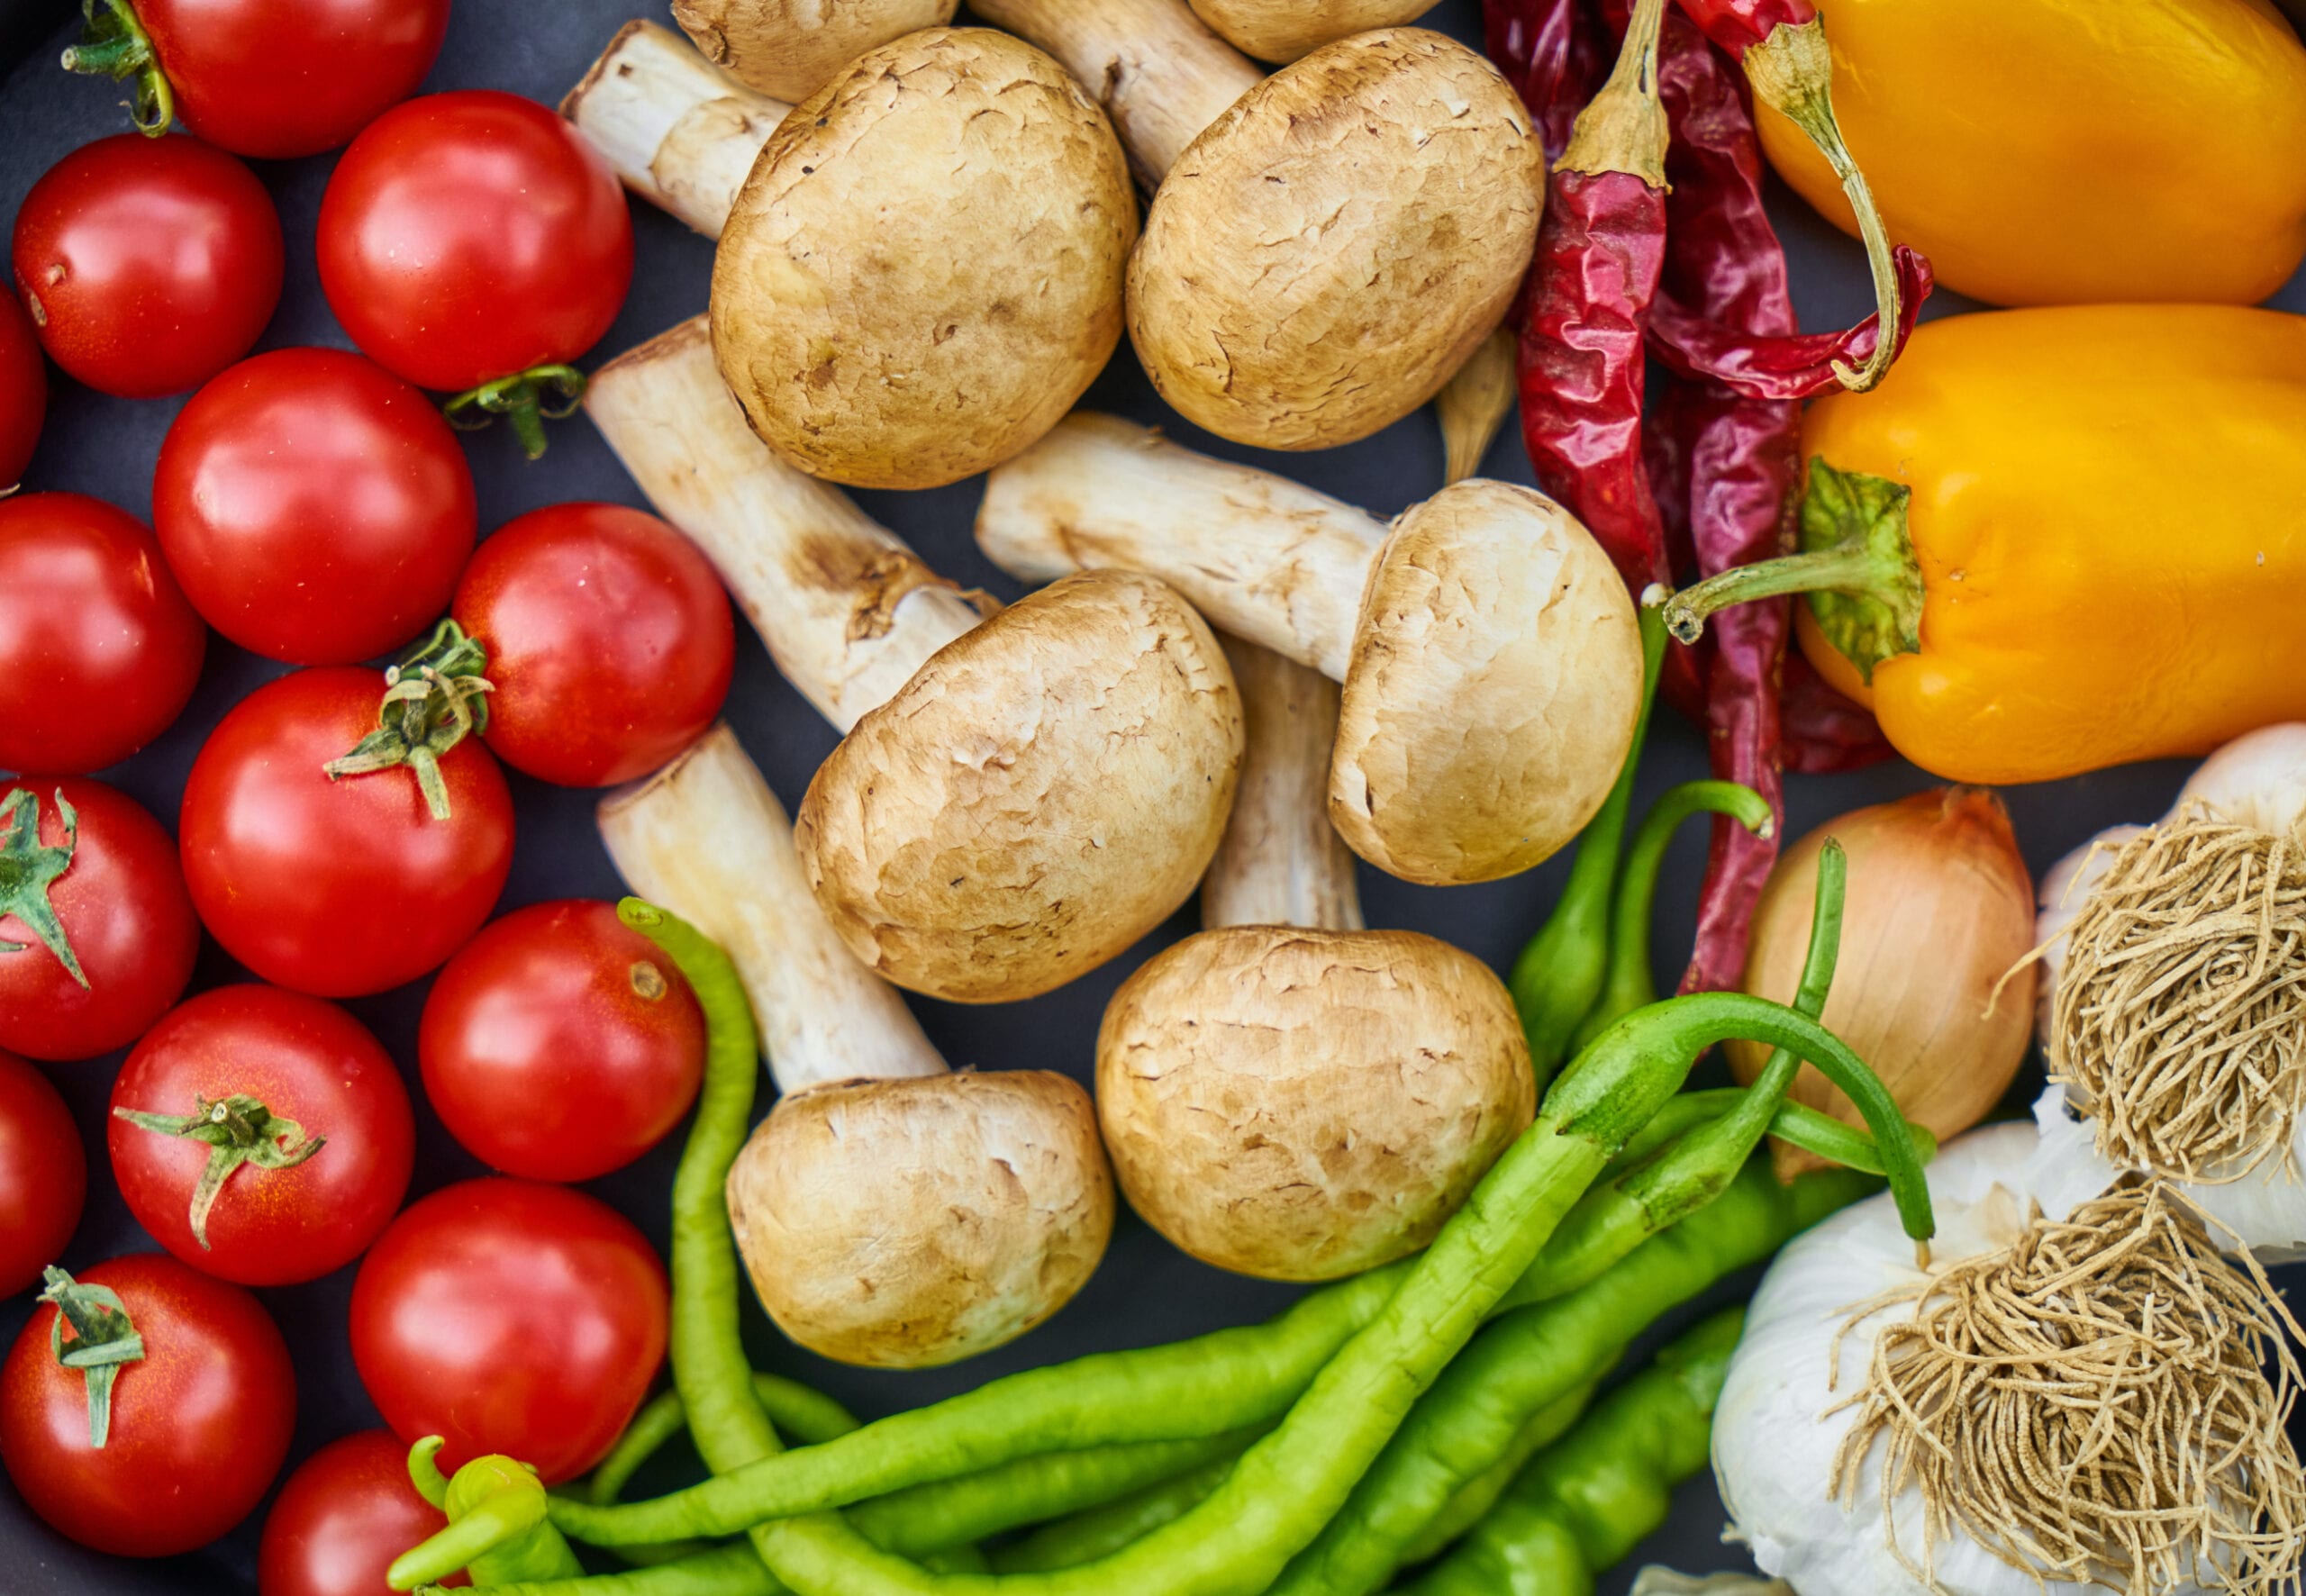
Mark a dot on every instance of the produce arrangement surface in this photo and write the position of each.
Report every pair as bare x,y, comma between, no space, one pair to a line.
1021,915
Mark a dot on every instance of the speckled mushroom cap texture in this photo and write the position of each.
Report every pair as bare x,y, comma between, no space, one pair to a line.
923,270
790,48
909,1223
1285,30
1323,257
1305,1104
1496,678
1045,790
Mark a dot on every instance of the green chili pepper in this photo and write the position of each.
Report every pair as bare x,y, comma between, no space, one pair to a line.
1586,1503
1477,1495
801,1412
1101,1531
497,1530
1560,973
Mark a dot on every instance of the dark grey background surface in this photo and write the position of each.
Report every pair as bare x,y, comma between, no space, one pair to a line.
1146,1291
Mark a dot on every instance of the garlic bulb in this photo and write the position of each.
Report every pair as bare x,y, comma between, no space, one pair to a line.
2255,1183
1853,1362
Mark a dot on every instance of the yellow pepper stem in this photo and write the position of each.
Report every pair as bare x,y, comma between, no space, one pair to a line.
1856,564
1792,73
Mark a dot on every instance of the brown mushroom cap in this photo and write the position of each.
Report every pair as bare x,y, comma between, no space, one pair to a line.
1328,252
1285,30
924,270
790,48
903,1223
1041,793
1305,1104
1496,674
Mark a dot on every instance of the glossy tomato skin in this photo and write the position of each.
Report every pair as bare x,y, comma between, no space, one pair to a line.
342,1518
124,911
315,507
43,1174
344,888
23,391
559,1043
510,1316
274,79
470,235
148,264
305,1060
609,639
199,1425
99,647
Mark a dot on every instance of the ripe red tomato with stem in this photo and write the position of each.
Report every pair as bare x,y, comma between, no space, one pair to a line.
24,393
608,637
341,1518
473,244
315,508
43,1174
559,1043
97,935
271,78
99,647
510,1316
148,264
261,1136
152,1455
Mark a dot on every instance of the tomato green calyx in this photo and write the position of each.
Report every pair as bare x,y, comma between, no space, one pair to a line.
115,45
433,700
103,1340
522,399
28,871
237,1130
1856,564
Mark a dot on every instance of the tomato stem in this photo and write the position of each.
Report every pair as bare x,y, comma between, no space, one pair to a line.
521,399
116,46
237,1130
29,871
103,1339
434,699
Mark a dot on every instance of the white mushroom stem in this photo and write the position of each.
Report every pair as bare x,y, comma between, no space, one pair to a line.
1281,862
705,838
849,612
1155,68
1263,558
681,133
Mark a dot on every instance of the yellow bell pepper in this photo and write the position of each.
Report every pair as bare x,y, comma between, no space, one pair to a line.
2058,539
2071,151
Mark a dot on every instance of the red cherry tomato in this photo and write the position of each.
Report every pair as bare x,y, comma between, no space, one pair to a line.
23,391
43,1174
149,265
342,1518
337,886
99,648
274,79
561,1044
104,887
608,638
198,1427
468,236
508,1316
322,1138
315,507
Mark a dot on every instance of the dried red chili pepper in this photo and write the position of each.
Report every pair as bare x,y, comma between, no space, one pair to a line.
1793,366
1782,46
1585,310
1549,52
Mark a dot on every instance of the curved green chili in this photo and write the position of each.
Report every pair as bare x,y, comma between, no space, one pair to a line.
1479,1493
801,1412
1101,1531
1588,1501
1562,968
497,1532
1630,984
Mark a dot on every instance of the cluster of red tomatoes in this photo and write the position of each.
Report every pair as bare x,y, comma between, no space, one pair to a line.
344,829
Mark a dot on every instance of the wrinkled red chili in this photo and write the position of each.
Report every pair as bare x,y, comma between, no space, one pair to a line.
1550,54
1794,365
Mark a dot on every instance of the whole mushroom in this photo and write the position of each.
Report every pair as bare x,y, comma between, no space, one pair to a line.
890,1213
1285,30
1018,799
1490,655
923,268
1287,1095
790,48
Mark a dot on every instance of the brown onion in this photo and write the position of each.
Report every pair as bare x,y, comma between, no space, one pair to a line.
1940,906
